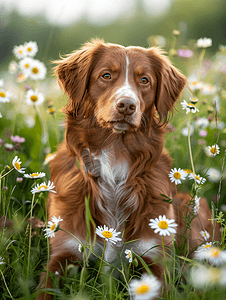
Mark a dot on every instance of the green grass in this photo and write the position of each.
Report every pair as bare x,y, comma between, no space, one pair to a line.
24,249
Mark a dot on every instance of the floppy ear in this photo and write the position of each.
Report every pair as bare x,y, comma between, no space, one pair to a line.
170,83
73,74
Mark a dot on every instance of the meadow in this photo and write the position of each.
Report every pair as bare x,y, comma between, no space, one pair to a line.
31,127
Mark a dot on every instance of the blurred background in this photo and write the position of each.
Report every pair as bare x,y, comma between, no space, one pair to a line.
62,26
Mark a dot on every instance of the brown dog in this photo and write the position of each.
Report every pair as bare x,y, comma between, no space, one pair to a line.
119,100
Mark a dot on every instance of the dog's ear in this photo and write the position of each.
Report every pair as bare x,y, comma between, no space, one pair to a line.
170,82
73,74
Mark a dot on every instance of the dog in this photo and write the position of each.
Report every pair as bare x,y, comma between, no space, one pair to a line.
120,99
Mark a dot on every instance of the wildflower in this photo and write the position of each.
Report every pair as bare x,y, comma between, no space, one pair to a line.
108,234
49,157
37,70
129,255
214,150
9,147
205,234
208,89
25,65
177,175
43,188
1,82
5,96
203,133
204,247
204,42
185,53
34,98
196,204
53,226
176,32
13,67
189,107
147,287
157,40
16,164
51,110
19,179
188,171
214,175
163,225
17,139
202,122
19,51
214,255
31,48
197,178
194,83
20,77
35,175
202,277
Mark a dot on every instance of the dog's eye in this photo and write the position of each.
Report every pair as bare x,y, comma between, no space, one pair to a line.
107,76
144,80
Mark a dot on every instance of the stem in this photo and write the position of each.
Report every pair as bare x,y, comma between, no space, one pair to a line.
6,285
6,173
29,247
189,144
105,242
200,61
163,247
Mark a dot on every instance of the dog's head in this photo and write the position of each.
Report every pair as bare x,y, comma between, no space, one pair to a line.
118,86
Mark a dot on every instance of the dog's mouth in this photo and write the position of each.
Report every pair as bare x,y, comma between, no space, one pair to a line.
121,126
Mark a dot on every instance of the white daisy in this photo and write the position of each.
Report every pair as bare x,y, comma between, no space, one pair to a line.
197,178
204,42
19,51
147,288
31,48
189,107
214,175
177,175
214,150
13,67
5,96
53,226
205,234
204,247
108,234
163,225
202,122
35,175
209,89
43,188
196,204
37,70
203,277
129,255
1,82
25,65
214,255
184,130
16,164
49,157
34,98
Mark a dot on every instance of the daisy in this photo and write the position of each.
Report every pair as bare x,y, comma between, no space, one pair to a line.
129,255
197,178
163,225
16,164
189,107
214,150
53,226
5,96
177,175
37,70
205,246
201,276
35,175
25,65
43,188
13,67
49,157
19,51
33,97
108,234
205,234
214,255
214,175
204,42
148,287
31,48
196,204
202,122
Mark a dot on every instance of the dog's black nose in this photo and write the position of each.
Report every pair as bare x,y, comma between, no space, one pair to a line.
126,106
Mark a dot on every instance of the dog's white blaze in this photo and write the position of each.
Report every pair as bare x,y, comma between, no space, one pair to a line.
72,246
126,89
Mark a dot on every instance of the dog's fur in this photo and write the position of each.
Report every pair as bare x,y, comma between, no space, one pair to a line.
119,101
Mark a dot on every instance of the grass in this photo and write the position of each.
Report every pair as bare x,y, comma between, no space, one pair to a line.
24,250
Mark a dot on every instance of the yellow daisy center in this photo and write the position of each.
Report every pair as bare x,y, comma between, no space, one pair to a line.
26,65
34,175
107,234
197,177
207,246
163,224
35,70
213,150
177,175
29,49
190,104
143,289
215,275
188,171
34,98
215,252
194,82
43,186
53,227
204,234
17,165
20,51
2,94
51,110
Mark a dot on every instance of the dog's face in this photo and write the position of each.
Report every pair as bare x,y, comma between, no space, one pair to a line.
119,86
